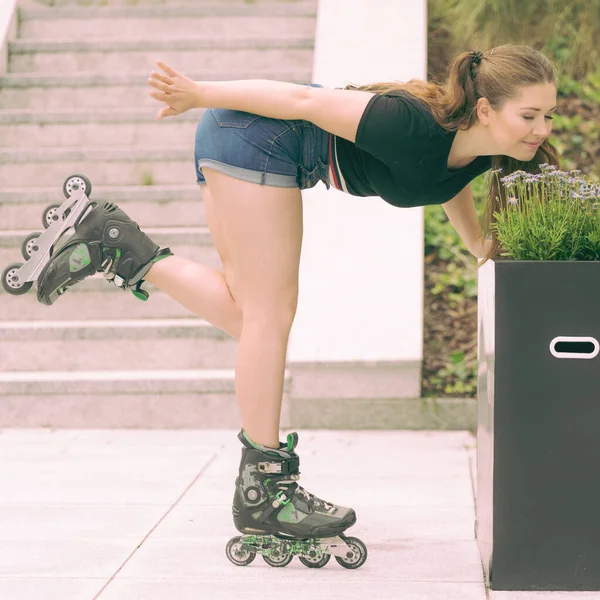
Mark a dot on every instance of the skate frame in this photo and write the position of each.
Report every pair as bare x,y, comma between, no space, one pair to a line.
78,203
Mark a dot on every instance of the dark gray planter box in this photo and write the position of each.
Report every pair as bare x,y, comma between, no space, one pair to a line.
538,437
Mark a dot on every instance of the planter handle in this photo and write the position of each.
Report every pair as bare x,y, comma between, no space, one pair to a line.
574,347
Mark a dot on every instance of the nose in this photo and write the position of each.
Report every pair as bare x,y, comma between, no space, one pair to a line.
542,129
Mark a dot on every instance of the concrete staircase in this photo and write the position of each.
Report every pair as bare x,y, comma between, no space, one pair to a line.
75,100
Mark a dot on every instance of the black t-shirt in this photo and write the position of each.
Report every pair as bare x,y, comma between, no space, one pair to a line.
401,154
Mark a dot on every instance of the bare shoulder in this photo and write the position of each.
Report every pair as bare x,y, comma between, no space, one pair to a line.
336,111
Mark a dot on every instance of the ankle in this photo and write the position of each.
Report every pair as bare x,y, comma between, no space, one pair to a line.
260,439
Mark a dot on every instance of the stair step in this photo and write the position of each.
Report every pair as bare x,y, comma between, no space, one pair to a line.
91,90
35,116
165,399
158,165
241,41
120,345
193,243
286,19
102,135
158,206
289,55
77,9
106,303
95,381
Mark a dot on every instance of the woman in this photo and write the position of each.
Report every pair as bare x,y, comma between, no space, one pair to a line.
257,145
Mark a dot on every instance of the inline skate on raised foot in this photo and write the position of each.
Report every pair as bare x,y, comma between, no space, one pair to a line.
280,520
82,237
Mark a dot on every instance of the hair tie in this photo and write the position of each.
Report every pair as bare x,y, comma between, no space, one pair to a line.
476,57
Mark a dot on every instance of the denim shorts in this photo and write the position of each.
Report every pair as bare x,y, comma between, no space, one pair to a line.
276,152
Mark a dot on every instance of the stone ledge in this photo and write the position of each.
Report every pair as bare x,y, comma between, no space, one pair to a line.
355,379
387,413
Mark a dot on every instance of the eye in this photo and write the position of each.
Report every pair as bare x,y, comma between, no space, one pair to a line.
531,118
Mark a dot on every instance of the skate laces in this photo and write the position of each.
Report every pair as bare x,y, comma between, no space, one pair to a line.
313,501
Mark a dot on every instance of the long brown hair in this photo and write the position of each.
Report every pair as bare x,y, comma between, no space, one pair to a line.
453,104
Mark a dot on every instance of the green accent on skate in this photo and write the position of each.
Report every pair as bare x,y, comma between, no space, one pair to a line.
139,295
289,514
267,545
268,451
80,258
290,442
284,502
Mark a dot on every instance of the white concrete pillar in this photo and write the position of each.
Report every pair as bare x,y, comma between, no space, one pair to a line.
361,280
8,30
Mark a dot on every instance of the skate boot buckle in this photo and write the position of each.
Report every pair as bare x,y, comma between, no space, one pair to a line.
281,500
268,467
288,466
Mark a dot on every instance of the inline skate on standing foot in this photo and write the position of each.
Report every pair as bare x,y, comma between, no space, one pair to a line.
103,238
279,519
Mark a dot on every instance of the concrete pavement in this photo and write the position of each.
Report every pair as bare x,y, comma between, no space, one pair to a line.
128,514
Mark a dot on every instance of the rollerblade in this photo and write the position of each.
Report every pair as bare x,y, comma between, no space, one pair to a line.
104,239
279,519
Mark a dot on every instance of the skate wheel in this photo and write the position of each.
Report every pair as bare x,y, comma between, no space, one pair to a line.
315,563
11,283
357,555
237,554
75,183
49,216
278,560
29,247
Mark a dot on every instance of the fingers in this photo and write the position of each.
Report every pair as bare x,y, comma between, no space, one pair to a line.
168,70
160,96
166,112
159,85
161,77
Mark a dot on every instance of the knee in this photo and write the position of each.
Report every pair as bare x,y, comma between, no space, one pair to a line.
230,282
275,310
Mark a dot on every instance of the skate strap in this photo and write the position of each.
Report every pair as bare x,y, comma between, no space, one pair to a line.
281,499
137,291
286,466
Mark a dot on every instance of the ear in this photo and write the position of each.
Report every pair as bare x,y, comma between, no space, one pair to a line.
484,111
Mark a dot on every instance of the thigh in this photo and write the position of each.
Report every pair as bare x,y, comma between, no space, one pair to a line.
216,231
261,227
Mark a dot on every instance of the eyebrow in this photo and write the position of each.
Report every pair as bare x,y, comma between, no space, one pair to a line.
538,109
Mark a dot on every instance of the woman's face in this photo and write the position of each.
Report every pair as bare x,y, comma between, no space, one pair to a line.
522,119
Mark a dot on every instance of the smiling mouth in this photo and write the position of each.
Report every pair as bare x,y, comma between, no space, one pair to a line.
533,144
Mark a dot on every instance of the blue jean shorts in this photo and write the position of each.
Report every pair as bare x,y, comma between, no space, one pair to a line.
275,152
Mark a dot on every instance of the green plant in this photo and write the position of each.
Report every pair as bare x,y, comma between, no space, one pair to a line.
550,216
564,30
147,179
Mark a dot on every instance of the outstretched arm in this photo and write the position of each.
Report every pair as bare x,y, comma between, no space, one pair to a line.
463,217
336,111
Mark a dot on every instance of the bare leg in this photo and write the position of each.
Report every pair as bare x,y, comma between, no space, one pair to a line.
201,289
262,233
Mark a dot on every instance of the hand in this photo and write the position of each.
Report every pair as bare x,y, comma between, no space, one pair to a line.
177,91
480,248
